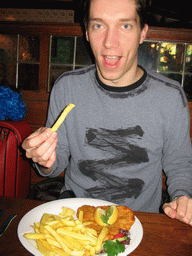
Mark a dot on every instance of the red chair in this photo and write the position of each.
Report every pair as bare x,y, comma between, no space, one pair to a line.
14,167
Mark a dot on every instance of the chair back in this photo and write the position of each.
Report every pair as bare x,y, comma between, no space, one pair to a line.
14,167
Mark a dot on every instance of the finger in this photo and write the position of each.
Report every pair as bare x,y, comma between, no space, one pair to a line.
188,216
182,207
42,160
37,138
43,150
26,142
169,209
47,150
50,161
37,152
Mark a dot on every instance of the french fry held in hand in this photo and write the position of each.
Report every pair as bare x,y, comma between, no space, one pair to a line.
64,235
62,117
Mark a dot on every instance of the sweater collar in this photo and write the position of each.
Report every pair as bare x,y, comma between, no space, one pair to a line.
127,88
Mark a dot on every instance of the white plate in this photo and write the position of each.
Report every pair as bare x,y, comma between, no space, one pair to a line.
54,207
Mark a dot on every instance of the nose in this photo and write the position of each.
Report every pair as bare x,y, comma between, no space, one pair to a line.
111,39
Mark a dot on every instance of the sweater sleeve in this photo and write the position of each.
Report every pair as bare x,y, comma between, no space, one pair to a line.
177,152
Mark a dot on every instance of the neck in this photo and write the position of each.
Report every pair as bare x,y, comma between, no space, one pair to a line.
129,78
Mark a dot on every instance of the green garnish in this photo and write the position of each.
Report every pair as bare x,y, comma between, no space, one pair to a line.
113,247
106,217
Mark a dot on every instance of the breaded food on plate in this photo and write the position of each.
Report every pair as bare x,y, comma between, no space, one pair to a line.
124,221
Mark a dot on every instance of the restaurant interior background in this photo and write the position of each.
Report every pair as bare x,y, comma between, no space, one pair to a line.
39,43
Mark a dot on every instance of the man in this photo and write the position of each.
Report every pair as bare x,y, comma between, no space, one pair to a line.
127,125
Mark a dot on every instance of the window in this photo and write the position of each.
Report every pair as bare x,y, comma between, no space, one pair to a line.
8,58
19,61
173,60
67,53
28,62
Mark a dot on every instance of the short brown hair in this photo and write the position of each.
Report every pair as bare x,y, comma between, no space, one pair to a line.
140,10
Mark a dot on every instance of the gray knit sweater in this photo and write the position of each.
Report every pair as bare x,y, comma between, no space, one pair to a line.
116,141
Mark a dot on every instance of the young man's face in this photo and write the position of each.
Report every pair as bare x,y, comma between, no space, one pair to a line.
114,33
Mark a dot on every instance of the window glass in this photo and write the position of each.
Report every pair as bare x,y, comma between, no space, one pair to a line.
83,53
171,57
148,55
28,62
62,49
174,76
28,76
188,86
8,58
29,48
188,64
56,71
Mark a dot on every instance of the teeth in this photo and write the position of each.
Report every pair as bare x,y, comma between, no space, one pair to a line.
111,57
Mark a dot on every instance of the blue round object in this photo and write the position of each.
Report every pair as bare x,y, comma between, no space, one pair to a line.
12,106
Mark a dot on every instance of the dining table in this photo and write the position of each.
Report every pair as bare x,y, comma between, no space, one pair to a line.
161,235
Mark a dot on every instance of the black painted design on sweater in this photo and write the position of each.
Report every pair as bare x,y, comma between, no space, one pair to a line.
122,146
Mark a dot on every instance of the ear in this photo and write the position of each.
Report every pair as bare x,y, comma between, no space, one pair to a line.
144,33
87,35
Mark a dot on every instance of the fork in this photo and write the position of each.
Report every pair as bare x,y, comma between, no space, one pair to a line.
6,224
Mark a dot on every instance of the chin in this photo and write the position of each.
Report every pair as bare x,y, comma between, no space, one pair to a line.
110,76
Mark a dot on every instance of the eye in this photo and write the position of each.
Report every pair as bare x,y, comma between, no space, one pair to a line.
98,26
126,26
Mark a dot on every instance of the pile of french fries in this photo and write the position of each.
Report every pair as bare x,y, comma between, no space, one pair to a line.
65,235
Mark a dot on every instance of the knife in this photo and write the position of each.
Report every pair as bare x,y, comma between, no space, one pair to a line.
5,226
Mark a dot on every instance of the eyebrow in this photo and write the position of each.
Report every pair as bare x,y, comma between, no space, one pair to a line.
121,20
127,20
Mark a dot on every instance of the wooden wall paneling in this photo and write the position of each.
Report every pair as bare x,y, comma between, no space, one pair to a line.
169,34
36,112
44,62
13,27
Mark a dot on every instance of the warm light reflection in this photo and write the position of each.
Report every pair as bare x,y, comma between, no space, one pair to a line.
170,47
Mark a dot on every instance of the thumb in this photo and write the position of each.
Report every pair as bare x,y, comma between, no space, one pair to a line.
170,209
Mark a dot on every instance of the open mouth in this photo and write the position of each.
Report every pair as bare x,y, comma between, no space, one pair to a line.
111,61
